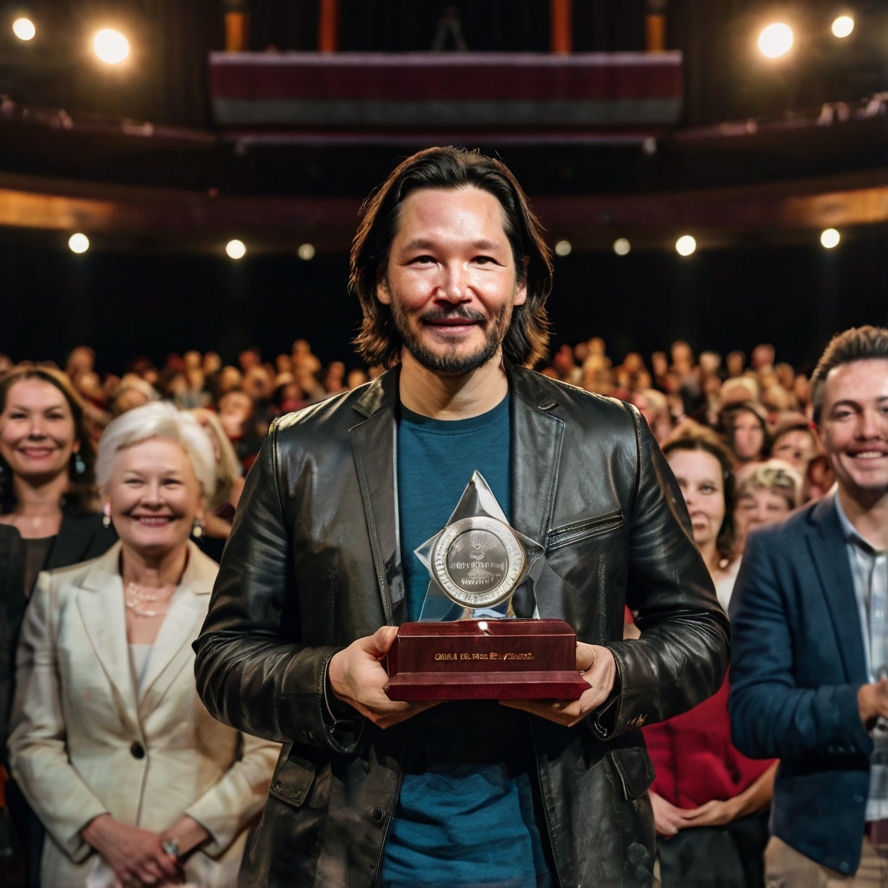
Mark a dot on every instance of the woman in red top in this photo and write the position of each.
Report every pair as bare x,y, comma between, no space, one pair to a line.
710,802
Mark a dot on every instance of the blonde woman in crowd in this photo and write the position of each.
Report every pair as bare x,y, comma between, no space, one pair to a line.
134,781
766,492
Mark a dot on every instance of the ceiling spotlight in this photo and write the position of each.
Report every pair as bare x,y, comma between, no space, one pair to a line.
111,46
622,246
236,249
563,248
843,26
306,252
78,243
24,29
685,245
775,40
830,238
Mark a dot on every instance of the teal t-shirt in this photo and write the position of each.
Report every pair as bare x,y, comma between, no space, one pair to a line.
465,814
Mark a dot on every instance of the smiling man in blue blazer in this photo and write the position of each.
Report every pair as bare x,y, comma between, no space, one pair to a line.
811,639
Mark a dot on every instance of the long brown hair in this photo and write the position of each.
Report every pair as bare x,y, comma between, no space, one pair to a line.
692,436
448,169
81,494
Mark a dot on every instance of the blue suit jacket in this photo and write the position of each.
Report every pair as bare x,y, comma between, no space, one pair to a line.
798,662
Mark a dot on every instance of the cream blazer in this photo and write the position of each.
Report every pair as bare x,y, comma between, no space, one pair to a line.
87,739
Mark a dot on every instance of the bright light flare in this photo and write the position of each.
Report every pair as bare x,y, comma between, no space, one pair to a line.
24,29
563,248
830,238
111,46
78,243
236,249
622,246
775,40
306,252
843,26
685,245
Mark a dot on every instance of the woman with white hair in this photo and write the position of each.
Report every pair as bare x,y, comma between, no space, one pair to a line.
134,781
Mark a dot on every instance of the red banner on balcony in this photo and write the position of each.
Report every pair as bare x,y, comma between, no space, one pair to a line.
466,90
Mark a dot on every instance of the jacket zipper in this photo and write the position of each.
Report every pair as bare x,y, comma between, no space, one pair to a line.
582,529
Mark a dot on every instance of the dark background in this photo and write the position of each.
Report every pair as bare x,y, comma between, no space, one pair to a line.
125,304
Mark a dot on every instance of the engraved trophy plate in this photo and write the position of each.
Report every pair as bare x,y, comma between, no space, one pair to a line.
476,563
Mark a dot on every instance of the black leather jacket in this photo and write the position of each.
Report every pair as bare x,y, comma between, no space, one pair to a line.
313,563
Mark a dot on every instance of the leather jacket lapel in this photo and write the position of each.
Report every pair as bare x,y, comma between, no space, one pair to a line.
374,444
536,456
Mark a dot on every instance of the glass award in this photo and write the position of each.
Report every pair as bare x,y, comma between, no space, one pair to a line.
468,644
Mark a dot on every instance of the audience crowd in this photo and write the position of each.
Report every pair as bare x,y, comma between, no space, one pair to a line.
736,431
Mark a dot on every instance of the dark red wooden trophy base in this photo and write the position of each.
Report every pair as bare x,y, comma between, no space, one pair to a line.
505,659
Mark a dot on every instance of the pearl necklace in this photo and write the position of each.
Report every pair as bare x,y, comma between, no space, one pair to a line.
139,597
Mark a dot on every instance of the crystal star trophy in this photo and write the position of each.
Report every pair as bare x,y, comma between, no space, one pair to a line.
468,644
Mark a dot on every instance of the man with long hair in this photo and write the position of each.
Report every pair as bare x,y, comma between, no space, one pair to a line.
452,271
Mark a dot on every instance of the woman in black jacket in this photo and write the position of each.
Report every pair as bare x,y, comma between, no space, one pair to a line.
48,519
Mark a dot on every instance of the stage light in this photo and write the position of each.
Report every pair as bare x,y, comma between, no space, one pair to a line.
843,26
685,245
24,29
563,248
78,243
236,249
111,46
775,40
306,252
622,246
830,238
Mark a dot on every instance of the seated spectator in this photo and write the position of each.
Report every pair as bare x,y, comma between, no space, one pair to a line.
766,492
132,391
82,359
819,478
334,378
654,407
737,390
794,441
745,428
355,378
236,413
134,781
222,502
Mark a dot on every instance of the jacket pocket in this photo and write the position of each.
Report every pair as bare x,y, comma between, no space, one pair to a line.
292,782
581,530
634,770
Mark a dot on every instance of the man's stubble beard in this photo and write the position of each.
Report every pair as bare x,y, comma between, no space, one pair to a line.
450,361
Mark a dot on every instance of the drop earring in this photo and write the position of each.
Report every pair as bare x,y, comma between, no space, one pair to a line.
79,464
106,518
197,531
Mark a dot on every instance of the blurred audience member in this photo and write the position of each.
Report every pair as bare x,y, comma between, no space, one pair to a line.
238,421
795,442
81,360
744,426
654,407
766,492
132,391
